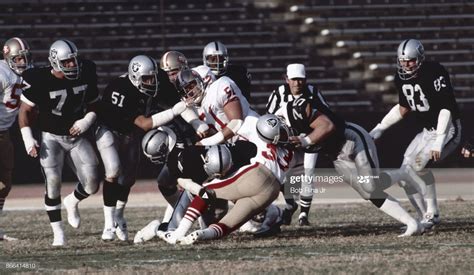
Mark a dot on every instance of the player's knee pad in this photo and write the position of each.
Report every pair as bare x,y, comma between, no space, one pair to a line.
427,177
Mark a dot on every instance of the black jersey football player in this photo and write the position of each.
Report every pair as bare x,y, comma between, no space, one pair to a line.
122,119
425,89
64,95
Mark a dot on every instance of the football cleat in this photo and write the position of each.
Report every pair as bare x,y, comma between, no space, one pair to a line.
4,237
167,236
191,238
147,233
430,220
413,229
108,234
59,239
73,217
121,229
249,227
303,219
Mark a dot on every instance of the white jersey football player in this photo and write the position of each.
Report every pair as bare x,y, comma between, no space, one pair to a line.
17,58
424,89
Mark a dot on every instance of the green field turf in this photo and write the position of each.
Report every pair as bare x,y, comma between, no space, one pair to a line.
353,238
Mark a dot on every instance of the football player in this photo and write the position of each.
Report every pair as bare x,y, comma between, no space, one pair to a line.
227,172
61,93
172,63
16,59
120,116
216,57
297,87
353,152
425,89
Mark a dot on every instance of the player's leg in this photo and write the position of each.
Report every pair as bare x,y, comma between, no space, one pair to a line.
167,185
83,161
108,144
6,169
130,158
52,161
306,194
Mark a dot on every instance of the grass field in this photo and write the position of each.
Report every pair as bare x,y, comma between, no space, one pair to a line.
353,238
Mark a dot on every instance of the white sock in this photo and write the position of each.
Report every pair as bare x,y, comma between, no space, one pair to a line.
109,212
74,199
120,208
393,208
183,228
431,201
168,213
57,227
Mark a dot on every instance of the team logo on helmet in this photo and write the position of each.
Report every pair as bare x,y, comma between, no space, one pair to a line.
53,53
272,122
135,67
6,49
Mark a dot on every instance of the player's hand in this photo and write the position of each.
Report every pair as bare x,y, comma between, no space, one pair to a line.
31,144
83,124
467,151
295,141
435,155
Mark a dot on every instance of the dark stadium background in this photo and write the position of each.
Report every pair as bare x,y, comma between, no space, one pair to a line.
348,47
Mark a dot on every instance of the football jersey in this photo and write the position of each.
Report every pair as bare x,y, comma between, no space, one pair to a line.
428,93
241,77
10,92
60,101
217,95
121,103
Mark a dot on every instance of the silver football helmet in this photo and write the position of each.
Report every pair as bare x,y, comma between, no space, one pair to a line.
143,73
158,143
271,129
409,50
190,86
215,57
218,161
16,53
63,58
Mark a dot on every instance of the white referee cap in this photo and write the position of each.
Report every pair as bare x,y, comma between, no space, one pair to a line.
295,71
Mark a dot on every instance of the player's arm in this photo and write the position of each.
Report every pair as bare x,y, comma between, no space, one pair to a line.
161,118
25,118
322,127
444,118
397,113
233,111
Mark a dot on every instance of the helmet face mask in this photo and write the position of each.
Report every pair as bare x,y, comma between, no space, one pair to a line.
215,56
218,161
63,56
143,73
16,53
158,143
190,86
410,56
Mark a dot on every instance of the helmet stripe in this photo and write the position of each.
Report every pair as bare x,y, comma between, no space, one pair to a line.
69,45
220,158
217,45
20,42
152,62
404,46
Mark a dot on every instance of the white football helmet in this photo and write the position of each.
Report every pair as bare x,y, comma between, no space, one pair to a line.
410,49
143,73
215,57
16,48
271,129
218,161
190,86
158,143
173,60
61,51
